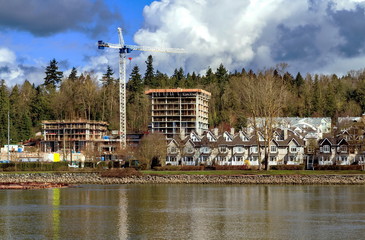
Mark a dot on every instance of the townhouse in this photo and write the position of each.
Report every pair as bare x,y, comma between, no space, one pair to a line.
229,148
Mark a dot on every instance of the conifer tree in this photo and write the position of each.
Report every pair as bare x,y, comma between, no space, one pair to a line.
108,79
150,73
53,75
4,108
73,74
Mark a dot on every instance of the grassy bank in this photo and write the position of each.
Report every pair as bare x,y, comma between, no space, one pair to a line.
253,172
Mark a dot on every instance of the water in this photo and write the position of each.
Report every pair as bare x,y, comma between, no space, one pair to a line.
184,212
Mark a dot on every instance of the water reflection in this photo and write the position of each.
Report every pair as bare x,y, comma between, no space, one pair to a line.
184,212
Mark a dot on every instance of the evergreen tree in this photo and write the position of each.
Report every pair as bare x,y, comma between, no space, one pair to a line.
134,85
108,79
53,75
221,75
209,77
73,74
4,108
150,73
298,83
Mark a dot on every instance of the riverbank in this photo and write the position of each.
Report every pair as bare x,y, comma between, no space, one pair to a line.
31,185
95,178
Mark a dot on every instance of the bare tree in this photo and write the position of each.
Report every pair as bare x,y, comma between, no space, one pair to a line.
265,97
152,147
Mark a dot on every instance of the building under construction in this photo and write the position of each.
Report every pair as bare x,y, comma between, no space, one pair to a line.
176,111
76,135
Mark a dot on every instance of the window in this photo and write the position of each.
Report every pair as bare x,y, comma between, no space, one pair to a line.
343,148
205,150
173,149
273,149
223,149
293,149
253,149
239,149
272,158
189,150
244,138
239,158
326,148
292,158
254,158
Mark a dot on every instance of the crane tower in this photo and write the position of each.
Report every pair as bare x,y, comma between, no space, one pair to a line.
123,51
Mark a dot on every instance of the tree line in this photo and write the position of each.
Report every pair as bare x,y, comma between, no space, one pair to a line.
83,96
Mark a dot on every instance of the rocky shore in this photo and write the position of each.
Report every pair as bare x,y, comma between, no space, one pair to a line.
95,178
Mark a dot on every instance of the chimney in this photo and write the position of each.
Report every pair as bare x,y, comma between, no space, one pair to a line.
215,132
285,133
182,133
232,131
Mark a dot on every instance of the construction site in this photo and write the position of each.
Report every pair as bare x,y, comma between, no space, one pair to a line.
175,111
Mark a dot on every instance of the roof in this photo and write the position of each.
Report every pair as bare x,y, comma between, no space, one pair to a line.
148,92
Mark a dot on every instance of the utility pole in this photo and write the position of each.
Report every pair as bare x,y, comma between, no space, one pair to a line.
123,51
8,136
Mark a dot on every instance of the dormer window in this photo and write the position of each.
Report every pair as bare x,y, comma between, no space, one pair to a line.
211,138
244,138
227,138
194,138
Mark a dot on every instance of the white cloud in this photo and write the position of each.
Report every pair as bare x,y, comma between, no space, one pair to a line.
14,73
6,56
246,33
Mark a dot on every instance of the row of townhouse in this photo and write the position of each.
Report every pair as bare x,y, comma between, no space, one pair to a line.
346,148
229,148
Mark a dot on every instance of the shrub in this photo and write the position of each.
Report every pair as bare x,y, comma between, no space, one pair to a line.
231,167
34,166
179,168
337,167
168,168
120,172
192,168
287,167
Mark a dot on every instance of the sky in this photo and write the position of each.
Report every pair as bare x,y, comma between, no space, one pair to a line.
311,36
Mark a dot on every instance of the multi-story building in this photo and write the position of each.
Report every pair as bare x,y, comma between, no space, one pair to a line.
77,135
179,110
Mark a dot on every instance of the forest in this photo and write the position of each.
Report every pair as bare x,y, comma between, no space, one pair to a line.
83,96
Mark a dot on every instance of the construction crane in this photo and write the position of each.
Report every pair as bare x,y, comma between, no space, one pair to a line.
123,51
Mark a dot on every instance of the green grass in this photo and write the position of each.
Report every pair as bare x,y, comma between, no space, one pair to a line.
253,172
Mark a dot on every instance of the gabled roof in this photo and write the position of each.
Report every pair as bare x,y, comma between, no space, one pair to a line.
228,135
210,136
193,134
331,141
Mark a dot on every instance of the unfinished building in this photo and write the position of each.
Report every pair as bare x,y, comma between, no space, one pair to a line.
175,111
75,135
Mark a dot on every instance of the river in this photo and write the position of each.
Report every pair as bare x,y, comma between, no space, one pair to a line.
172,211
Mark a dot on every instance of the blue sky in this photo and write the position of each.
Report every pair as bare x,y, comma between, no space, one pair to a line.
311,36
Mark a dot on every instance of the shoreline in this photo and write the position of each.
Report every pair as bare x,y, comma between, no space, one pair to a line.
95,178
